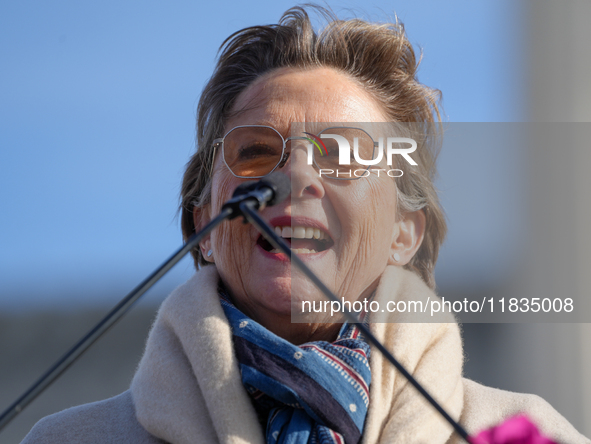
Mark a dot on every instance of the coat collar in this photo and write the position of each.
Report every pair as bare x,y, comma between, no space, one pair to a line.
188,387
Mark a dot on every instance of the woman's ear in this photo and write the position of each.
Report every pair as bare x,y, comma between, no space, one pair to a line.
201,217
408,236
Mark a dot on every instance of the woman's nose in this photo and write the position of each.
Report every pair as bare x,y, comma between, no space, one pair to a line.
305,180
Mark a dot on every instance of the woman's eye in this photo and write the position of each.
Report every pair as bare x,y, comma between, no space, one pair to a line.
256,150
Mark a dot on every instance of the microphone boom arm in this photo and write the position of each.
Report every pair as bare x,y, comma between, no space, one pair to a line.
107,322
270,190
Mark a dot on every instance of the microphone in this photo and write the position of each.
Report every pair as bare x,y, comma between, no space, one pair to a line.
270,190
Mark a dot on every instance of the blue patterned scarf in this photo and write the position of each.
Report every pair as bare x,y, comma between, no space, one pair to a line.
315,393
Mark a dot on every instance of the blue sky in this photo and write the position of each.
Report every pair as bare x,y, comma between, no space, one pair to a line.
97,108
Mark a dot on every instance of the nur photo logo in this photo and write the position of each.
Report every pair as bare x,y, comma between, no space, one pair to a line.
352,153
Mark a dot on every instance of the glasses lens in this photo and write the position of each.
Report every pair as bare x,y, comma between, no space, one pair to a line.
251,151
361,149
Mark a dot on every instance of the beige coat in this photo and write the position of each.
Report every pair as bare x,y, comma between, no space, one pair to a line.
188,388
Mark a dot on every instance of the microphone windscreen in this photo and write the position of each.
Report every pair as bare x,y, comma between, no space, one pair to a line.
280,184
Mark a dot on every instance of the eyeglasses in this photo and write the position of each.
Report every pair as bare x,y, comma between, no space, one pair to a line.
253,151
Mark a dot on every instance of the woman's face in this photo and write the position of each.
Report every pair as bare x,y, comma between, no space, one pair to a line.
358,217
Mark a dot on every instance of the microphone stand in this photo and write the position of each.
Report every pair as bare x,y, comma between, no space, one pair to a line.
253,217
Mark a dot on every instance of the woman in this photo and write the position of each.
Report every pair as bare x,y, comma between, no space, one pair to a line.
224,362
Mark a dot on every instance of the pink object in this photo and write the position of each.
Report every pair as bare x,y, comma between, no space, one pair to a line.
516,430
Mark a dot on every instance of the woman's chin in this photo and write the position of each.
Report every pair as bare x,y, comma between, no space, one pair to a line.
282,289
273,296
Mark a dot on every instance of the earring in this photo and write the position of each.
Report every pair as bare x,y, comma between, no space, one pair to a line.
396,257
209,253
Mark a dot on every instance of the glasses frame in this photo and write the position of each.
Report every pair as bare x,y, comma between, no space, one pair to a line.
284,157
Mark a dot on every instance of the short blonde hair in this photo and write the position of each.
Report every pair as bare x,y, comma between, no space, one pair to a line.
377,56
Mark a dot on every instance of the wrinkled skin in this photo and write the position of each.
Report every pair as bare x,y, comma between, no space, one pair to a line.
360,215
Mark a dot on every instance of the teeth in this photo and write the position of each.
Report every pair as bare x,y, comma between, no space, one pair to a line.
296,251
302,251
299,232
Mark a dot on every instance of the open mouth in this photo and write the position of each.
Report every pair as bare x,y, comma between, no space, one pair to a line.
302,240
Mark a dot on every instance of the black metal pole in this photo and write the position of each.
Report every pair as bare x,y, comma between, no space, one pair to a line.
270,190
105,324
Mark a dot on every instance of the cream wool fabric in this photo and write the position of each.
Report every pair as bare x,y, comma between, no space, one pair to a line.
188,389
